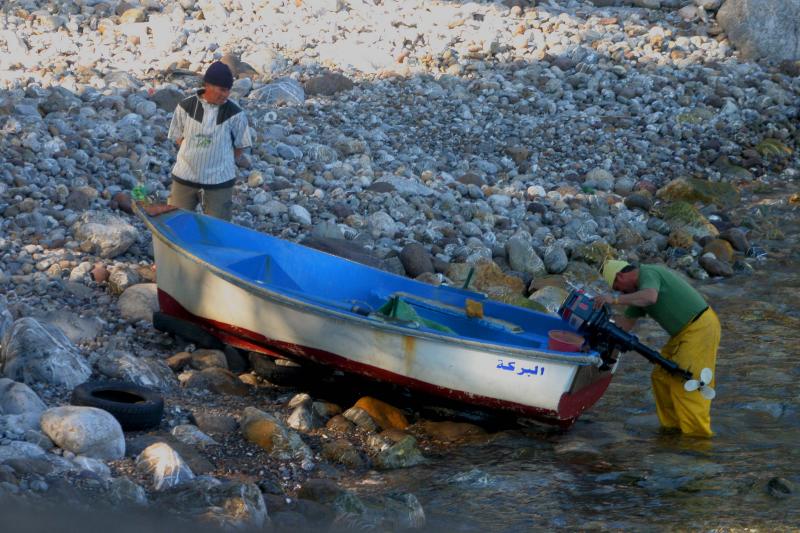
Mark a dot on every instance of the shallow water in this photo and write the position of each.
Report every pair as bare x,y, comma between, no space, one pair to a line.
615,470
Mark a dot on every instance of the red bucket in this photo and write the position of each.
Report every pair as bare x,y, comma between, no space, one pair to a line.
564,341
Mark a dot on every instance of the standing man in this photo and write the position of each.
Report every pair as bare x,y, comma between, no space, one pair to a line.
211,132
694,331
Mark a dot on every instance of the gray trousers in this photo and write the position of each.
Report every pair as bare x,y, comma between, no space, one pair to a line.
214,202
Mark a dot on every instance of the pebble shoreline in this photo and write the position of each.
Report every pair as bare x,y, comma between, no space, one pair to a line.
536,140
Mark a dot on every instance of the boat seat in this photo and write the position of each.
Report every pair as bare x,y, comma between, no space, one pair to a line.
453,310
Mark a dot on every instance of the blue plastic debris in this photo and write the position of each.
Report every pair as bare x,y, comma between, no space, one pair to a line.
757,252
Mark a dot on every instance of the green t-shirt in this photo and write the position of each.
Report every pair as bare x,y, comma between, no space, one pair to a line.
677,304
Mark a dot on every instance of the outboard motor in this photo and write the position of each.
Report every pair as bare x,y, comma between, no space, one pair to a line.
606,337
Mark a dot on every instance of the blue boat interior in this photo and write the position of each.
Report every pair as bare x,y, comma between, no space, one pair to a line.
333,283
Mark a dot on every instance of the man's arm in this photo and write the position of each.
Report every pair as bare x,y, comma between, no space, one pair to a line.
241,133
176,126
642,298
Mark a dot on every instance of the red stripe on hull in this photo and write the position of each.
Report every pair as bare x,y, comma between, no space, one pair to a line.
570,405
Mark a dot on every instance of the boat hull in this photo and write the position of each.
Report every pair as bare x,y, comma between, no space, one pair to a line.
547,389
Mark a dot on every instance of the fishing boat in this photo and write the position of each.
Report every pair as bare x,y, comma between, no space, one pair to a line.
282,299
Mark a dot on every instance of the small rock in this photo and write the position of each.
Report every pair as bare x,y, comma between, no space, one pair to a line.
217,380
193,436
164,466
215,423
340,423
100,273
416,260
328,84
714,266
780,488
403,454
737,238
360,418
167,99
202,359
721,249
383,414
449,431
639,200
342,452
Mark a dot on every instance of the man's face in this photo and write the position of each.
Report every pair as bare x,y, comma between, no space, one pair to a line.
626,282
215,94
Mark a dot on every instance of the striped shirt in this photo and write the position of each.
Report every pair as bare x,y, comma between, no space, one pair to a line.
210,133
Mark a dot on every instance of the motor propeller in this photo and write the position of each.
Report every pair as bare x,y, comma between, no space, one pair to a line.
702,384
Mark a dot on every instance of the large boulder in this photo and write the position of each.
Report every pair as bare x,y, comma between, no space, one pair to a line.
523,258
17,398
686,189
20,450
85,431
104,234
6,319
328,84
763,28
230,505
550,297
77,328
285,91
167,98
34,353
487,277
685,216
139,302
144,371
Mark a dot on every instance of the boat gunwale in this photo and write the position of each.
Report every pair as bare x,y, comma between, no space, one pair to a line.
307,306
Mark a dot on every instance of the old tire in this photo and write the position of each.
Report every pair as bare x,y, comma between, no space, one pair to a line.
134,407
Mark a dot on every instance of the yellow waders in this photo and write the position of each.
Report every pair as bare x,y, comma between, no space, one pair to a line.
693,348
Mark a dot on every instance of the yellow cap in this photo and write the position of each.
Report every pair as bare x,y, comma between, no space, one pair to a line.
611,268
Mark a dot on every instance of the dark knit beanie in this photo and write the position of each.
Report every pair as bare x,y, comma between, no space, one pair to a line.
219,74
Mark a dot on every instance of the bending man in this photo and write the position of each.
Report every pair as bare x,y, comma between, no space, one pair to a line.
694,330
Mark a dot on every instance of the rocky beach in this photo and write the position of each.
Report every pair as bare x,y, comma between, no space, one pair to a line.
529,141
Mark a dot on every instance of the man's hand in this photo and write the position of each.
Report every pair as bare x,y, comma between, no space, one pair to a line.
604,299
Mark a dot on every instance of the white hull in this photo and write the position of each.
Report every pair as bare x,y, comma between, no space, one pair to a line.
466,369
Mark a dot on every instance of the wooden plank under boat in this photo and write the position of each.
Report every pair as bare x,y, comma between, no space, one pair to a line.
272,296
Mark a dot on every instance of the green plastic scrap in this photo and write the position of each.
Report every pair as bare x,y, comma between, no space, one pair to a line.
398,309
139,193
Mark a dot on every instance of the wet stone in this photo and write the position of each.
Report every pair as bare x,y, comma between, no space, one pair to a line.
780,488
342,452
215,423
